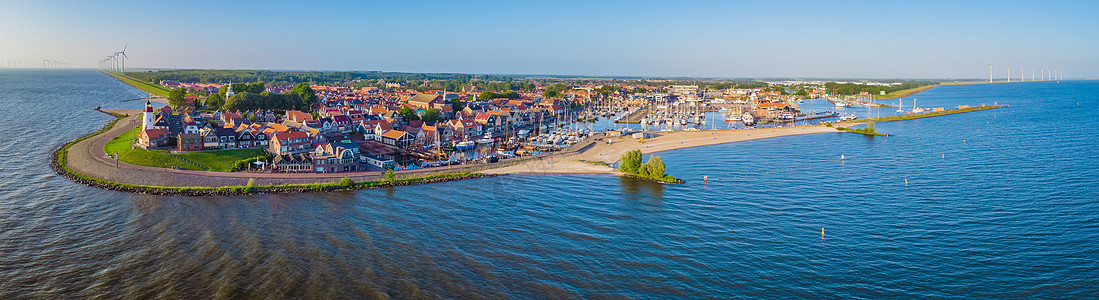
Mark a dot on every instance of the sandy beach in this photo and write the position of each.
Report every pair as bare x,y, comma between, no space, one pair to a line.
664,141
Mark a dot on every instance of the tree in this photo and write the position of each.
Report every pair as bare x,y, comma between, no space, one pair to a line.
256,87
431,115
644,171
456,105
305,93
556,90
630,162
655,167
214,101
407,114
175,97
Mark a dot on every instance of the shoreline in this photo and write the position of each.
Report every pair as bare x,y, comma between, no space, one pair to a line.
88,165
152,180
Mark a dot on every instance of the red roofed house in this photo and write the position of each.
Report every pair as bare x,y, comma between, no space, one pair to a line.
298,116
288,142
153,138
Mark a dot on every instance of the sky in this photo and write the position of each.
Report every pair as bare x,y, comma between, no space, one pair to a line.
734,39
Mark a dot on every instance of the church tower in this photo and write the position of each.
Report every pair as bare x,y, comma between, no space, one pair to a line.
229,93
148,117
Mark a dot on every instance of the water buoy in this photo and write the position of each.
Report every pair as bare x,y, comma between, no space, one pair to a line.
944,155
705,178
822,232
842,157
906,182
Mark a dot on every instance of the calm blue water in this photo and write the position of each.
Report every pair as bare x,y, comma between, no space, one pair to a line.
1010,212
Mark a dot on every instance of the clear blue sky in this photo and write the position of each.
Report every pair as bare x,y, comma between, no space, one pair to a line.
866,39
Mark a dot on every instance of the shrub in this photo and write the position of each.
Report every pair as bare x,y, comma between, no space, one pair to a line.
346,181
390,178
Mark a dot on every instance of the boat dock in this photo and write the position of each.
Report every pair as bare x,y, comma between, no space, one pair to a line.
636,116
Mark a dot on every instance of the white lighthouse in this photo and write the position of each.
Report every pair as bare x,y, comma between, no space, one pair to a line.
147,117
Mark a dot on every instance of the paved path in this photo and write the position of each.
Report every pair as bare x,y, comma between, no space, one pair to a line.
87,157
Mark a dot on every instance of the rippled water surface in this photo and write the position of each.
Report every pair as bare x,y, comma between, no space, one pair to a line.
999,203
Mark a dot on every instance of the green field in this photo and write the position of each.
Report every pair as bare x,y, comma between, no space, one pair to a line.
219,161
904,92
150,88
142,157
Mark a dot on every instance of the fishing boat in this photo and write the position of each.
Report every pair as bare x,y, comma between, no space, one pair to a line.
848,118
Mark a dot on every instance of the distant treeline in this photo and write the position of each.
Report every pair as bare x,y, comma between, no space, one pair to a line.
855,88
414,81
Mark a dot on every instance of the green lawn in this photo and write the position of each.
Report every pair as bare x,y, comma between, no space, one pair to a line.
122,142
150,88
221,160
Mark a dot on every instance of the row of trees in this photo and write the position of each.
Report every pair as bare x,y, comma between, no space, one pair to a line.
488,95
430,115
293,77
556,90
855,88
631,163
255,96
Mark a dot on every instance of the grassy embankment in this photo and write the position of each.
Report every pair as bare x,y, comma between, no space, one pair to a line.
150,88
870,129
931,114
219,161
904,93
60,164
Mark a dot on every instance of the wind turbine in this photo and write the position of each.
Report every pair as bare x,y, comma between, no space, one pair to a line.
989,73
1008,73
124,57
